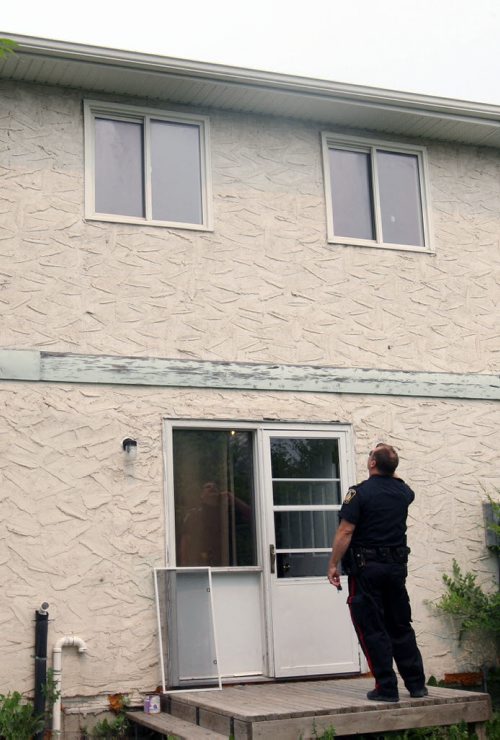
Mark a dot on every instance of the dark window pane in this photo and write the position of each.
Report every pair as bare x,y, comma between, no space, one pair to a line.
400,200
176,172
352,201
302,564
304,458
119,168
304,529
214,498
297,493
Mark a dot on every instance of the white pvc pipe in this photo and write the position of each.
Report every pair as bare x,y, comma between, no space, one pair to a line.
68,641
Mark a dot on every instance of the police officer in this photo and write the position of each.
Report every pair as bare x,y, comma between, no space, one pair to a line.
371,542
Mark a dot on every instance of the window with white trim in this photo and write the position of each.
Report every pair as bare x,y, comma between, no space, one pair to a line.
376,193
146,166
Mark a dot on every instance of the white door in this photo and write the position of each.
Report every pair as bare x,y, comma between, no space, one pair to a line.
304,475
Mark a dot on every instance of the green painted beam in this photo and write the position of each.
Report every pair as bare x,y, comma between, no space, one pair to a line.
61,367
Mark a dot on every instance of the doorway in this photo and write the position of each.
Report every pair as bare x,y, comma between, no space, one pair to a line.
258,506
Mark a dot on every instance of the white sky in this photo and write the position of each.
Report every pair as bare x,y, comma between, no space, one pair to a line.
449,48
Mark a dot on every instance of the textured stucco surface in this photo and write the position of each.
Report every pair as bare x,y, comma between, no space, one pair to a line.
264,285
82,530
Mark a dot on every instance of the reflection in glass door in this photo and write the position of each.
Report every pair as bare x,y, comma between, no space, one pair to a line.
214,498
306,499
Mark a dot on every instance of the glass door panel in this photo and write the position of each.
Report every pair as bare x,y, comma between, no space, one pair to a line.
306,499
214,497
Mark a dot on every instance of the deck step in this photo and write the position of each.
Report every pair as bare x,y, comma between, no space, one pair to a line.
166,724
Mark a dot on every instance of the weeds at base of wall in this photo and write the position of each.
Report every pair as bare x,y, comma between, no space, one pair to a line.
328,734
116,728
17,718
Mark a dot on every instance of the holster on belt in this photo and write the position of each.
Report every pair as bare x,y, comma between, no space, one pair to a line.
353,561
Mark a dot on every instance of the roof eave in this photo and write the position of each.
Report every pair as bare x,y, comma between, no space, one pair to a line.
261,83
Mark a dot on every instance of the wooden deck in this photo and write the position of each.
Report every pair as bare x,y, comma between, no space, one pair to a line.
293,710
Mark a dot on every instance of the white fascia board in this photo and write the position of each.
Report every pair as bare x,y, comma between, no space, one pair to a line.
368,96
54,367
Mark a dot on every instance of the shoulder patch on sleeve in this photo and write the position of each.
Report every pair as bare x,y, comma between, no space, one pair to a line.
350,495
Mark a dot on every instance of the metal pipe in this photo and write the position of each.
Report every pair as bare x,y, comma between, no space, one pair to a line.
41,631
69,641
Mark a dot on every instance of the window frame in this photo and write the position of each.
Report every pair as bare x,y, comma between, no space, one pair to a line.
370,146
93,109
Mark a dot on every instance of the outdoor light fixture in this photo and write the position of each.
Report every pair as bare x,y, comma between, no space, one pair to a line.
129,444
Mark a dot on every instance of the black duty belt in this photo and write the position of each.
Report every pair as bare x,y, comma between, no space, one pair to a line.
384,554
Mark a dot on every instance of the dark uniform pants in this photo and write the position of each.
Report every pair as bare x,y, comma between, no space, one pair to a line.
381,615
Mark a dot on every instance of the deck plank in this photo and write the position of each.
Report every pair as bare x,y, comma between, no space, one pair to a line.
166,724
286,710
351,723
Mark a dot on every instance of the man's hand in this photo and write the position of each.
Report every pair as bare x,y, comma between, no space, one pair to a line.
340,544
334,576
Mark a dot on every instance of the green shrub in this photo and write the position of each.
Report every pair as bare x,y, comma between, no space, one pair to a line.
17,720
474,609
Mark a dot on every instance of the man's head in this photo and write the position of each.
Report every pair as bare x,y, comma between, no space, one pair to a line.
209,493
383,460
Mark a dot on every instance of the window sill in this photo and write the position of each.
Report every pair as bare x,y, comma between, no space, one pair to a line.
105,218
374,245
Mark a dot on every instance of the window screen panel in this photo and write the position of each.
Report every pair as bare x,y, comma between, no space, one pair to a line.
119,167
187,627
352,199
400,199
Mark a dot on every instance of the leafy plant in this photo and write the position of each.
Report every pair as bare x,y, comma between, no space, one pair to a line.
51,694
17,719
474,609
6,47
328,734
117,727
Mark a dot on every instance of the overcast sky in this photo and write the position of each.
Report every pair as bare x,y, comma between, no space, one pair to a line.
448,48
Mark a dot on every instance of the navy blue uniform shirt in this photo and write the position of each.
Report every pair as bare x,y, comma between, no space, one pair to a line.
378,507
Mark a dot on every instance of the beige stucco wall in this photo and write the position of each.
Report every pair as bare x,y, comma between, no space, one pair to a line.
264,285
81,528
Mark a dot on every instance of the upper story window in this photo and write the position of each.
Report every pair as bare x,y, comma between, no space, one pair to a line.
376,193
146,166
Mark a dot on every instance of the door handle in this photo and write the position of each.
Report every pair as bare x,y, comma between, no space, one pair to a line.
272,558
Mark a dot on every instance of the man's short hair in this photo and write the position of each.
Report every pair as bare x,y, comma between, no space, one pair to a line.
386,457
